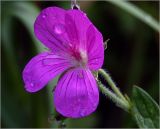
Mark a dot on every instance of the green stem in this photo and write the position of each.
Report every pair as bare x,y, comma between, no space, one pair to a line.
50,103
137,12
118,101
112,84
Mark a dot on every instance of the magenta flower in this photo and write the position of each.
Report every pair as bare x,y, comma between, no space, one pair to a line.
76,49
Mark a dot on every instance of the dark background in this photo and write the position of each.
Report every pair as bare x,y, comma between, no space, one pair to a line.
131,58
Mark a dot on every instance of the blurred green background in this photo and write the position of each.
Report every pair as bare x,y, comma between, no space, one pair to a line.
132,57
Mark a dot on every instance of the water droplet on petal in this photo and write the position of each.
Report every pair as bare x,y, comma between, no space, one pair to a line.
43,16
32,84
70,45
82,112
59,29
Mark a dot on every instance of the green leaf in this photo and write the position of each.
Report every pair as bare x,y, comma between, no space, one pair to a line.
145,110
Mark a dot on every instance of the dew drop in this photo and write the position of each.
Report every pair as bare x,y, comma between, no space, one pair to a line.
43,16
32,84
70,45
59,29
82,113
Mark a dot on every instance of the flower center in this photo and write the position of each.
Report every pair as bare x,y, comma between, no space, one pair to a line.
80,58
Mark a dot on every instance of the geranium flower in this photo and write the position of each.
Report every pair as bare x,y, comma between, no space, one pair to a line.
76,49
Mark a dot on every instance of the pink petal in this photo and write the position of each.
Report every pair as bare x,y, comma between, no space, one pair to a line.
41,69
88,37
50,29
76,94
67,31
95,48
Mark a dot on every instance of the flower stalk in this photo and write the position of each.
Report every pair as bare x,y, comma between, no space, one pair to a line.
118,97
119,102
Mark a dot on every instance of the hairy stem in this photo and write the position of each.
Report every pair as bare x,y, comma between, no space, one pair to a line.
112,85
118,101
